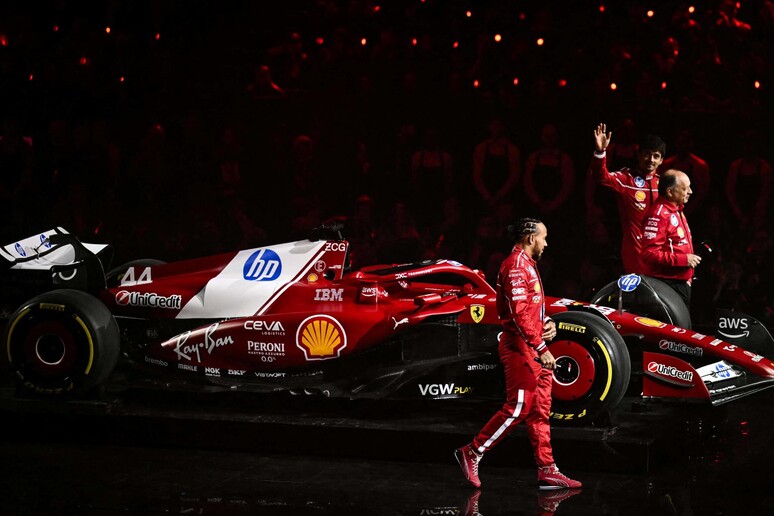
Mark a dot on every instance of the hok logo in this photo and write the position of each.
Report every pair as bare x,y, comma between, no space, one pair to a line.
262,265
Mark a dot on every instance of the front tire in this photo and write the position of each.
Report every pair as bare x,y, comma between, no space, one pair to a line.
593,368
61,343
652,298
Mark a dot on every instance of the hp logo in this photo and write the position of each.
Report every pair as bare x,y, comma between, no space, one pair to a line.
263,265
629,282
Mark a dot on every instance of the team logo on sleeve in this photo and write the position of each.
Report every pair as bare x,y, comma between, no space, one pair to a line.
640,182
673,220
477,312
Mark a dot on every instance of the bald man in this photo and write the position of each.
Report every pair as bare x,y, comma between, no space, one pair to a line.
667,250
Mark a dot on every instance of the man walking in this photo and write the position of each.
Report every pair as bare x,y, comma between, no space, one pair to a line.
527,362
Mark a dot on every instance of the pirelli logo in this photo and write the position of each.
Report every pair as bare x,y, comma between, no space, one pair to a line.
577,328
52,306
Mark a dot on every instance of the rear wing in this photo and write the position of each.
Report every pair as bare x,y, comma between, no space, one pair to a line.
48,260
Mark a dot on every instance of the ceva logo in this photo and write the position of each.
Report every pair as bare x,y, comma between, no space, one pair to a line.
262,265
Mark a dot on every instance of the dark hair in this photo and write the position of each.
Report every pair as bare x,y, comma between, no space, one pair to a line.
651,142
667,180
523,228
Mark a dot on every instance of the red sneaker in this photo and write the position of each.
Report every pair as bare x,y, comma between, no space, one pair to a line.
468,460
549,477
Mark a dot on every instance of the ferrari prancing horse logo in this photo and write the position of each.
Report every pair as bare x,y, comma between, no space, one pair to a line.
477,312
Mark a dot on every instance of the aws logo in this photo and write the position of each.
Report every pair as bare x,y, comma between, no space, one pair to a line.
736,325
321,337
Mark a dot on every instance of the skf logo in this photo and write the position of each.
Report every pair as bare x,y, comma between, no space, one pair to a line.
577,328
329,294
321,337
477,312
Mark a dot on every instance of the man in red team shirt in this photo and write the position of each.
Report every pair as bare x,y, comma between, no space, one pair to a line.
635,190
667,249
527,362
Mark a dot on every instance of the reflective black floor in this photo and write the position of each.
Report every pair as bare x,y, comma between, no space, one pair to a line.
717,462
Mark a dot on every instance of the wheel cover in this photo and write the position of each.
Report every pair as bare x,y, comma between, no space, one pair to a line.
575,370
49,349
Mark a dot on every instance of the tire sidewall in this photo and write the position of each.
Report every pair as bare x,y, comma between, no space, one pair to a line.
611,361
85,345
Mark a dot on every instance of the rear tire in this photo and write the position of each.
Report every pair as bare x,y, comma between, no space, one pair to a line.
61,343
593,368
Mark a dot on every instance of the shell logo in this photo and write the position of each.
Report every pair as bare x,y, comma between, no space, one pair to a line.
321,337
646,321
639,195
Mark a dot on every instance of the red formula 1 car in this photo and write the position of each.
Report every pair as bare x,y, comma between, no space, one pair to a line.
293,318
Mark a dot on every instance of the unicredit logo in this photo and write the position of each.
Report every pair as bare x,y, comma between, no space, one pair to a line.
148,299
680,348
665,370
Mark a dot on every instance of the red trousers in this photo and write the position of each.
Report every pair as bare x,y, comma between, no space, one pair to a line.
528,399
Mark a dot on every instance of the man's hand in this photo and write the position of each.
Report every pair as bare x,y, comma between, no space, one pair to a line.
549,331
693,260
601,138
547,360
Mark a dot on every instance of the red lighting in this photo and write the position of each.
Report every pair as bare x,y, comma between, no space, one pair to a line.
414,41
675,52
83,61
55,28
663,85
601,8
498,38
121,79
158,36
515,81
320,41
456,44
468,14
739,5
363,41
650,14
540,42
377,8
31,77
107,30
757,85
562,83
476,83
613,86
522,16
3,40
